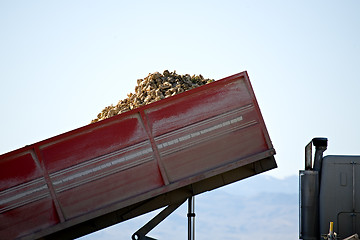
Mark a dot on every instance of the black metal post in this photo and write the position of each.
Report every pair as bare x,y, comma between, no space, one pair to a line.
191,218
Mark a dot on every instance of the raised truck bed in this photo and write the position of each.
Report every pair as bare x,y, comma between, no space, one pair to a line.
118,168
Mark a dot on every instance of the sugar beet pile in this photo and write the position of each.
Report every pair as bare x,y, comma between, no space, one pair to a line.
154,87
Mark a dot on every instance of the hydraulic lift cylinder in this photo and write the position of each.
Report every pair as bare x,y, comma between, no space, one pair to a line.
191,218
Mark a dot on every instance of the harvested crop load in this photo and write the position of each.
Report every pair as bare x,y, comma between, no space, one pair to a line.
154,87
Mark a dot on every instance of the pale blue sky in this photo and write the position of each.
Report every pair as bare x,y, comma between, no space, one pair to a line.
61,62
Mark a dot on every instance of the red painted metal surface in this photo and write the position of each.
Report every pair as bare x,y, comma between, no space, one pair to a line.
130,157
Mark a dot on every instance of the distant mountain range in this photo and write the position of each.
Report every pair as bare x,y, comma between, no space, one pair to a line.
260,207
263,184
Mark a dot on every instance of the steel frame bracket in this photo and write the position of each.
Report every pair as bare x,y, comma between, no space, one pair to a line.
141,233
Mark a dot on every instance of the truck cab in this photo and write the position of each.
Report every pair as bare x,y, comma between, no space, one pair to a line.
329,194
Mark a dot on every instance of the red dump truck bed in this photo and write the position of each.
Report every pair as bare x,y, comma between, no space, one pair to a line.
110,171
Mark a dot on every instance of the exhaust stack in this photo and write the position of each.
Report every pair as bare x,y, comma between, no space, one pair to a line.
309,181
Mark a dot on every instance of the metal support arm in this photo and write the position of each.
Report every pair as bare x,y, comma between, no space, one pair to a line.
191,218
140,234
